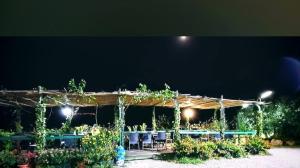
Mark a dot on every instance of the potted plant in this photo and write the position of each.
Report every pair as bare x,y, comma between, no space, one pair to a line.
135,128
143,127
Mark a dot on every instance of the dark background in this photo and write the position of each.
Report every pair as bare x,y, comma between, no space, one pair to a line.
236,67
144,18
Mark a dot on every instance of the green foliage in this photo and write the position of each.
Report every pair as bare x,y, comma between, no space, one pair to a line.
58,157
186,147
40,125
143,127
213,125
281,119
99,145
228,149
79,89
162,123
135,128
246,119
7,159
144,93
129,128
176,121
255,146
189,147
7,143
189,160
154,123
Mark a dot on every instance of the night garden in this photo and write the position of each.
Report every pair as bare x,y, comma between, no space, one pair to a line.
59,122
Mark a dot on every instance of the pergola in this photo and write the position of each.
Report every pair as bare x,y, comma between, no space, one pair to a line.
119,98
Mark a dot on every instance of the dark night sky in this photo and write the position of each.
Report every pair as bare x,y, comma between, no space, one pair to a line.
237,67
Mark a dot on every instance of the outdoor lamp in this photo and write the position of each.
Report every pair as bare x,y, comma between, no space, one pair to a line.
245,105
67,111
266,94
188,113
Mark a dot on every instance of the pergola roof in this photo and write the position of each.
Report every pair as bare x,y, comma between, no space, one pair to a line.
30,98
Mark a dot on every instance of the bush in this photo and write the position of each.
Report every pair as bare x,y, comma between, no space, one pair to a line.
255,146
206,150
186,147
228,149
7,159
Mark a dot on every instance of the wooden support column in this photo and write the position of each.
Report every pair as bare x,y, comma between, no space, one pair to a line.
121,118
222,117
259,121
177,118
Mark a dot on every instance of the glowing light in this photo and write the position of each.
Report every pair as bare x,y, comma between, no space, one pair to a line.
188,113
245,105
183,38
266,94
67,111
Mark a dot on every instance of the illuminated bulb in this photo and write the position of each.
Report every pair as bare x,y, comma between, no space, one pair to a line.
266,94
245,105
67,111
188,113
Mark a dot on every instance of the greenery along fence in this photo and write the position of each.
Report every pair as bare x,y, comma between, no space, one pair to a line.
188,150
97,148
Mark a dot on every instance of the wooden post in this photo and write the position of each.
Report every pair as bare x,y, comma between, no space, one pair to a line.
177,118
121,118
259,120
222,117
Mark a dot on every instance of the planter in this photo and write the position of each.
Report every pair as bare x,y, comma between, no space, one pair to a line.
23,166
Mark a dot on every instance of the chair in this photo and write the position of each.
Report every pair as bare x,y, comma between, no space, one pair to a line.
217,137
133,139
147,140
161,138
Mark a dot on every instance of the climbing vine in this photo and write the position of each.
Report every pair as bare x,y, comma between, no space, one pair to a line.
177,120
40,125
154,125
144,93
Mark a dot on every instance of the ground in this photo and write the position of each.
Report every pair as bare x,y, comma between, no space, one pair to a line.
278,158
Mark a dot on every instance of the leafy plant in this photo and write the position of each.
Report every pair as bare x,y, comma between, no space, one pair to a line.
228,149
154,124
255,146
246,119
135,128
212,124
129,128
143,127
144,93
99,145
163,123
40,125
7,159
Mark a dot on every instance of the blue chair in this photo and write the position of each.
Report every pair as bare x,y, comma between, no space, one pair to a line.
217,137
133,139
147,140
228,136
161,138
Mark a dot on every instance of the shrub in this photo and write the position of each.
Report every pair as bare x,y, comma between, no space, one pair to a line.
7,159
186,147
228,149
255,146
205,150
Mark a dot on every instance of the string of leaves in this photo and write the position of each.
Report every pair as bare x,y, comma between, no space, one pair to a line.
40,125
144,93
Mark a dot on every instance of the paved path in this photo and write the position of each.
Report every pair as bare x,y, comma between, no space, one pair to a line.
278,158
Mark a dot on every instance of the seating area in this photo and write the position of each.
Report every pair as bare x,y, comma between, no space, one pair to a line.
158,140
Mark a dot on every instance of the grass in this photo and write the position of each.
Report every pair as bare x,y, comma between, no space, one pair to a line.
188,160
171,157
